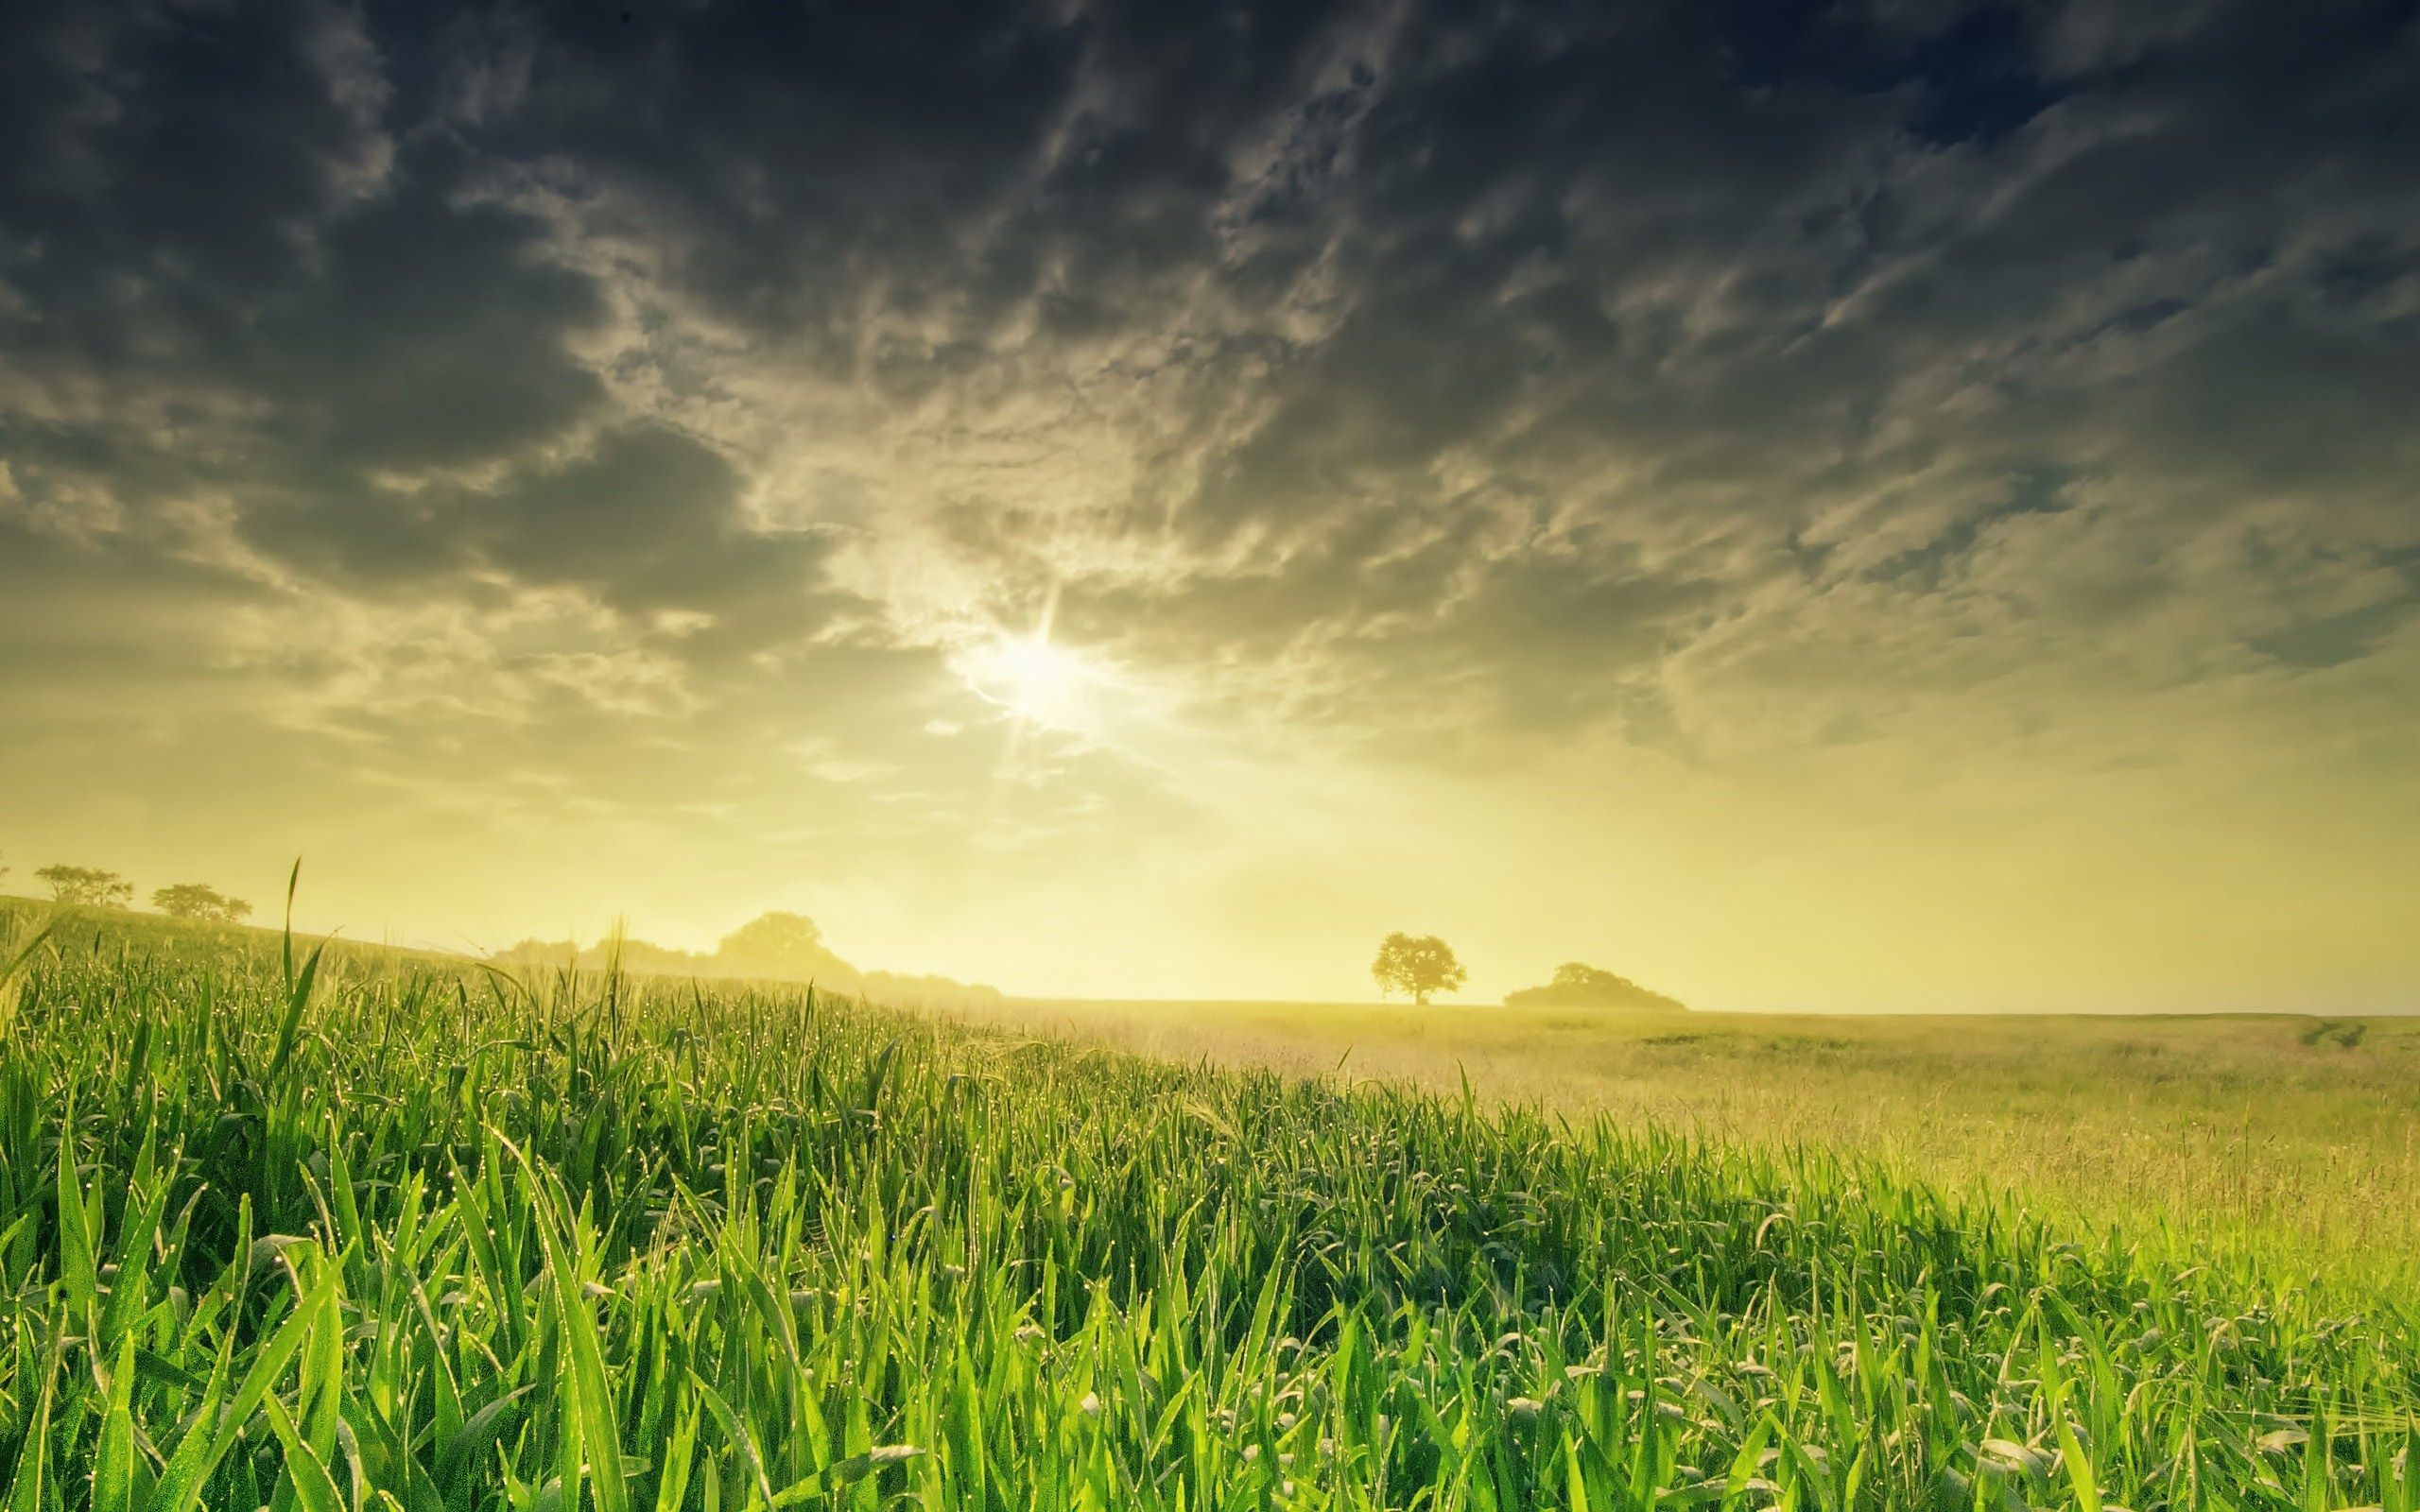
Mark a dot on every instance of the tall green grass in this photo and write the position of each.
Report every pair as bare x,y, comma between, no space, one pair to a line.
372,1231
2288,1143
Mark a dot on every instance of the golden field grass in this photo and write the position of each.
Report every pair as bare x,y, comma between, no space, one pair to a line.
2293,1140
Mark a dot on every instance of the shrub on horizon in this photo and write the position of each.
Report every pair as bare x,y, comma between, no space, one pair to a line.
1577,985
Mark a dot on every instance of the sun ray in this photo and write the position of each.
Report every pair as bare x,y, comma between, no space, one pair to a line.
1039,682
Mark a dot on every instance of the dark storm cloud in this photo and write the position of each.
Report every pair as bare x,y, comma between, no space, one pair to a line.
226,273
1516,346
805,168
214,217
1717,296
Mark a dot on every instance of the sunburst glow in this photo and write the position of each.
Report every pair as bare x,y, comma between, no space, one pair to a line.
1036,681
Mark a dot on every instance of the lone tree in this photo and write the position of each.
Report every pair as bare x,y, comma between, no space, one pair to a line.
783,945
89,887
1417,964
191,899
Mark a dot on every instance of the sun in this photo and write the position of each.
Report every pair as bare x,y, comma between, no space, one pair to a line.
1036,679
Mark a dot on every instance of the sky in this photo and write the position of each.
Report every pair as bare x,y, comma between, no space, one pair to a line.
1874,506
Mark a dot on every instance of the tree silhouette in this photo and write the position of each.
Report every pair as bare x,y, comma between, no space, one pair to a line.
1418,965
87,886
785,945
192,899
1578,985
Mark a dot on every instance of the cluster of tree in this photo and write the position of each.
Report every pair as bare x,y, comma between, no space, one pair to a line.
1418,965
98,887
87,886
777,947
192,899
1578,986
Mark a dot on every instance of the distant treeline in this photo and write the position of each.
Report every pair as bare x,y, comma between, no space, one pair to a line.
777,947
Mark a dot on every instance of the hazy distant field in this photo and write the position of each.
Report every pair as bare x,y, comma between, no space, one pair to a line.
2298,1138
386,1231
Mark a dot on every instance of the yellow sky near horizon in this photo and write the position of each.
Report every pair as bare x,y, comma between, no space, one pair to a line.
1102,841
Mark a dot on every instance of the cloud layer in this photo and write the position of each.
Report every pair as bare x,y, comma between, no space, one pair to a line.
1970,418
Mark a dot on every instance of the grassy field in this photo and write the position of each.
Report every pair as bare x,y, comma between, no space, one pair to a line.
2293,1141
381,1231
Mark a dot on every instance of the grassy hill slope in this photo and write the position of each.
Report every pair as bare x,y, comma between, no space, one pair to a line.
398,1229
2296,1140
